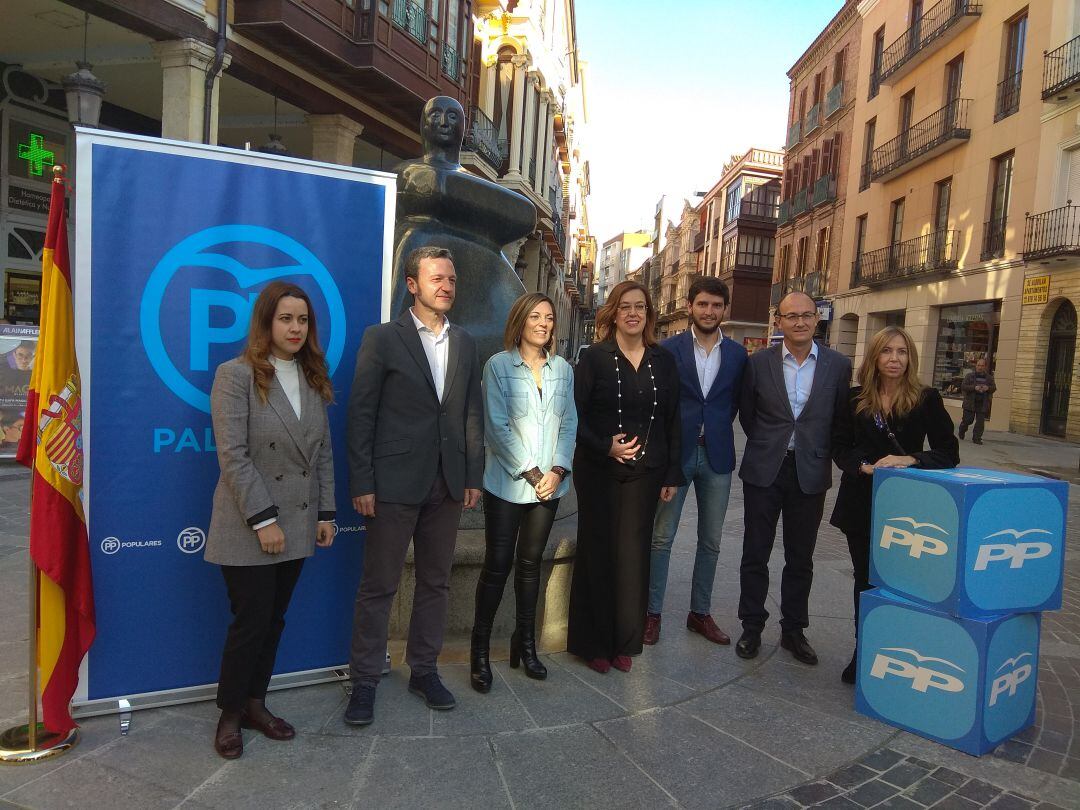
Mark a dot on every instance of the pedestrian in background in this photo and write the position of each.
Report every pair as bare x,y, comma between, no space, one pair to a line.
530,426
892,416
978,389
710,372
628,458
791,398
274,501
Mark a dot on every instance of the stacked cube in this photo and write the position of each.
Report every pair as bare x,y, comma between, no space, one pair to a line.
965,560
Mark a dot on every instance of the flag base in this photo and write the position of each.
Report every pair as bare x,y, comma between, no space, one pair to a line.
15,744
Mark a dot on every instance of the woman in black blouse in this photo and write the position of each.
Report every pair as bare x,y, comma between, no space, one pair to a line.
627,459
892,415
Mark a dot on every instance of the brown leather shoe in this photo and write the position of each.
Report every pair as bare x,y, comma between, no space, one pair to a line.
228,743
652,628
706,627
274,728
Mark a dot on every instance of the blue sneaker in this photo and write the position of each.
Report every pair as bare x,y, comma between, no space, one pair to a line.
361,708
431,689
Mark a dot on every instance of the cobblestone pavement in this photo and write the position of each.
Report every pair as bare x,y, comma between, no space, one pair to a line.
691,726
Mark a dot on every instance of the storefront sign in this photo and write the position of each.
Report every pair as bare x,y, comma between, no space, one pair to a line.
824,311
1036,290
26,199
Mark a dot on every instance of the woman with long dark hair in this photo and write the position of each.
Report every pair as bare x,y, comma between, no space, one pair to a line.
274,501
530,424
628,458
892,416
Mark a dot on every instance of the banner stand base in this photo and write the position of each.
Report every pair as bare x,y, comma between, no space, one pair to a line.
15,744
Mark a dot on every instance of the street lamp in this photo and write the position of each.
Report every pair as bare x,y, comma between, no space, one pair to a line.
83,90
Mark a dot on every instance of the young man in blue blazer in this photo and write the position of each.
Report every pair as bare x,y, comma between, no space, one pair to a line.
710,373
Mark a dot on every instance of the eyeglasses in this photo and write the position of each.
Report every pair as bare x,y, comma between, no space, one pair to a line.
795,317
626,309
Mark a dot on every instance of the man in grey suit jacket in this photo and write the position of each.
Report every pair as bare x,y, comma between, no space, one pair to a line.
416,456
792,396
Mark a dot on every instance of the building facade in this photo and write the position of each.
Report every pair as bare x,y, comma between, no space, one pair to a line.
618,257
680,260
816,162
943,166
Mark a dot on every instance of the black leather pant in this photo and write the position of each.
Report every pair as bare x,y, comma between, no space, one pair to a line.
509,527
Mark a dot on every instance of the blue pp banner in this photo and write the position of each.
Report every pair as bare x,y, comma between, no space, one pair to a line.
174,242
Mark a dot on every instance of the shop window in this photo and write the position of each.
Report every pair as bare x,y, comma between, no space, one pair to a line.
966,333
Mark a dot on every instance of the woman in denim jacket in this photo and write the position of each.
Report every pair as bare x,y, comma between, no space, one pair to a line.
530,422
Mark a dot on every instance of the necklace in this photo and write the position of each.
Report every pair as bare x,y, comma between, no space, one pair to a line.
640,454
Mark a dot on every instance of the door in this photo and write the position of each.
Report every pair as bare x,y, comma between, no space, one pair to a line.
1059,370
907,103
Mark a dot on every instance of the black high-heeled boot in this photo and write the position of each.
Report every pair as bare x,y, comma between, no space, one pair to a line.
479,659
523,651
523,641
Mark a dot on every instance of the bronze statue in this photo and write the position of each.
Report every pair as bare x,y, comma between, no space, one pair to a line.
441,203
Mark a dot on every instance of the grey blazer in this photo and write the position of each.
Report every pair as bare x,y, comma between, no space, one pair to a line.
268,459
767,419
399,432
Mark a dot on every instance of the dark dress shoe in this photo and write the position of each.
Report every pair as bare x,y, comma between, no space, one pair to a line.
652,628
848,675
272,727
623,663
704,625
748,644
799,647
361,708
431,689
228,741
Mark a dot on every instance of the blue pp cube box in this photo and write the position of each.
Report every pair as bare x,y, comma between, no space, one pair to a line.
969,542
966,683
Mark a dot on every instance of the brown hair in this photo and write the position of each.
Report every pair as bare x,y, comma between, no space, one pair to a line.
519,316
257,352
605,316
907,397
412,261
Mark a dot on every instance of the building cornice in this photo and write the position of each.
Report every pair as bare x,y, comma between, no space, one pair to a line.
835,28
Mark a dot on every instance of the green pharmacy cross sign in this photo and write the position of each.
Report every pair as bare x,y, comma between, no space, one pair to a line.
36,154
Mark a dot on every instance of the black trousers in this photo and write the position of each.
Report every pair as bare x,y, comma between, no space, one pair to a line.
508,526
802,515
858,543
259,596
978,417
610,587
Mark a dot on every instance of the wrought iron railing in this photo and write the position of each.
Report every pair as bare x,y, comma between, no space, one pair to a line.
824,189
948,123
759,209
411,18
927,28
482,137
451,65
1061,68
929,253
812,285
559,232
1052,233
785,212
834,98
794,134
1008,96
800,203
813,118
993,246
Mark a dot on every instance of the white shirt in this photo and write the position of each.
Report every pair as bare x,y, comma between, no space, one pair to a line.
288,374
436,347
798,379
708,363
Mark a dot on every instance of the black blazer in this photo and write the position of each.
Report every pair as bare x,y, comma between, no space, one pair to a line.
859,440
595,390
399,433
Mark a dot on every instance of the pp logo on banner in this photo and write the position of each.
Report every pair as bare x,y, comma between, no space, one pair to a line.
921,677
916,541
202,332
1015,552
191,540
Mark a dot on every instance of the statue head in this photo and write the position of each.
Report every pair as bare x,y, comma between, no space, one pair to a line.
442,126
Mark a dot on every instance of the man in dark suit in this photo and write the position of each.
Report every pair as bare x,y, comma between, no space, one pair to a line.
416,455
710,372
793,395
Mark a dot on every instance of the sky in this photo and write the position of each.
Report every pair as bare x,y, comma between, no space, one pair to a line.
675,88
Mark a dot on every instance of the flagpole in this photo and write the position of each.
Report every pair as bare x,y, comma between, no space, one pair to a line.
21,745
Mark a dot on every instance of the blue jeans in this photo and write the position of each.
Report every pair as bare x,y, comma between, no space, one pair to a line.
712,490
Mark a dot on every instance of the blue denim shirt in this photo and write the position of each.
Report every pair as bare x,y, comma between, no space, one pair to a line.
523,430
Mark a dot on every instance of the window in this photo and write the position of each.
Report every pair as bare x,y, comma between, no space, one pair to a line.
954,74
860,247
1000,195
727,254
784,264
965,334
942,198
1008,94
821,259
868,154
801,252
838,66
916,22
819,85
755,251
734,197
875,62
896,217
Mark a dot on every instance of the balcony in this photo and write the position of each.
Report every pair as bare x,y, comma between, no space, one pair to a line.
813,118
761,210
1052,233
411,18
1061,71
834,99
813,286
1008,96
482,137
794,134
824,190
937,25
800,203
924,255
785,213
776,293
451,64
937,133
993,239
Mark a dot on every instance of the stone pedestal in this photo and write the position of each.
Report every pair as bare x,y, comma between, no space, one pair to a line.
552,606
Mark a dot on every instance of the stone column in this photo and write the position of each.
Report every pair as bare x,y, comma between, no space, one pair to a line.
333,138
529,131
184,64
521,64
541,138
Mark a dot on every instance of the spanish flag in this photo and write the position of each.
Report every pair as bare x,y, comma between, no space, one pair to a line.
51,446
